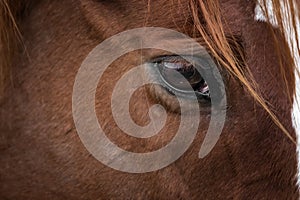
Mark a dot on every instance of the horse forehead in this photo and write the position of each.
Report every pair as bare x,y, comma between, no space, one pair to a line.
124,15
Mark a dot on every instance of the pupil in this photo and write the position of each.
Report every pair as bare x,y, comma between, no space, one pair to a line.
187,71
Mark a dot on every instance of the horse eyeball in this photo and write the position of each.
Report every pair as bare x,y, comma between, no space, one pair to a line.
180,76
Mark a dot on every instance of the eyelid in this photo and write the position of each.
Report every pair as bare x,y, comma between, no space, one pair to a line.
194,60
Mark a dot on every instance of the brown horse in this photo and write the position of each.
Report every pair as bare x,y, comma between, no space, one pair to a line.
254,44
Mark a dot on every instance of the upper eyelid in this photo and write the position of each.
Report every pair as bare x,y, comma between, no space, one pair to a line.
169,57
197,59
235,41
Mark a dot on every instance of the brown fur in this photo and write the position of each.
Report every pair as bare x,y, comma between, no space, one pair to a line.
10,36
42,156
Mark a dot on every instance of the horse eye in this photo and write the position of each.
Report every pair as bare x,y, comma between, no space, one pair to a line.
179,76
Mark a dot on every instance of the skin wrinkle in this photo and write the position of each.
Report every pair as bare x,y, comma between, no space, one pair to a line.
44,162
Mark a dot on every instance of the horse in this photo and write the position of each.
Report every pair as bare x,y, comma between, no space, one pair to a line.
255,46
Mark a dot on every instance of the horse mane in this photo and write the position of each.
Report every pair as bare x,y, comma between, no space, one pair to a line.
212,31
213,34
